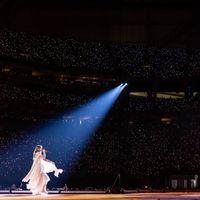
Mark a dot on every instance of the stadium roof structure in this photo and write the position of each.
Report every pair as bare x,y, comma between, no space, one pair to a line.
167,23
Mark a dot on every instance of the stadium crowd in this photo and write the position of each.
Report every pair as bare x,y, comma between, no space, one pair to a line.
142,146
133,60
133,141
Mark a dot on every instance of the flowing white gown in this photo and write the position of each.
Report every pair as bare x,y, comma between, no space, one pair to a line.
37,177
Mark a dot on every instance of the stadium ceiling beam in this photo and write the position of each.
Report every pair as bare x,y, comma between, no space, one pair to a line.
7,12
189,24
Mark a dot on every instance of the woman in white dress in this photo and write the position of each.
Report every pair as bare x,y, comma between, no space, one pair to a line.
37,177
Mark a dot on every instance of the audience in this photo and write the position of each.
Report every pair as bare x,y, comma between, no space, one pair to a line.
140,145
135,61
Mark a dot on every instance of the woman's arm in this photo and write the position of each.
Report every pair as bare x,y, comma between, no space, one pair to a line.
44,157
49,161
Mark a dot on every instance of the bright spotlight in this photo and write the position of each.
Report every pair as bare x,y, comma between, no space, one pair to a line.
67,136
124,85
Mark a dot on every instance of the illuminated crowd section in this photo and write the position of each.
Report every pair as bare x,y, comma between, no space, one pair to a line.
127,59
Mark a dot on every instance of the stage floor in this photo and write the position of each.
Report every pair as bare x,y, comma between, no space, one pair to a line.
132,196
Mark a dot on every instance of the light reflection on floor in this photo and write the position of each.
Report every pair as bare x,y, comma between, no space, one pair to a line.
133,196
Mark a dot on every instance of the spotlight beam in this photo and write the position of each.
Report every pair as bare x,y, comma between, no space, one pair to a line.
66,140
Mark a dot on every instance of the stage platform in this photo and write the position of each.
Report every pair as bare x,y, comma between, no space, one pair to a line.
130,196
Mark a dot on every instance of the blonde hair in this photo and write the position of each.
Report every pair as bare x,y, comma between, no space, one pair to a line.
37,149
